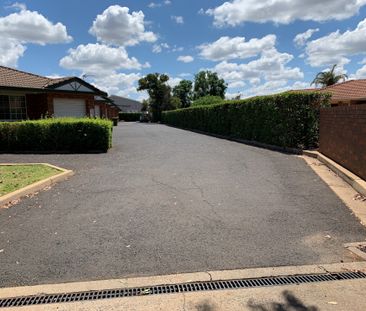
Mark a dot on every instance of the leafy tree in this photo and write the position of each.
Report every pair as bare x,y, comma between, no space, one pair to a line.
159,92
207,100
183,91
174,103
208,83
327,78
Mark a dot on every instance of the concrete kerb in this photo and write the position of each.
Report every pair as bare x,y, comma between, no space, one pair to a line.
353,180
37,186
180,278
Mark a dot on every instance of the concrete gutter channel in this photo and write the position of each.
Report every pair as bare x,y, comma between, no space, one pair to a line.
37,186
240,296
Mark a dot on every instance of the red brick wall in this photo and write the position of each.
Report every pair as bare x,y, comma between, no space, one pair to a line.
343,136
37,106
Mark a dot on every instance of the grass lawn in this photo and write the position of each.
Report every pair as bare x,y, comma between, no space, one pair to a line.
14,177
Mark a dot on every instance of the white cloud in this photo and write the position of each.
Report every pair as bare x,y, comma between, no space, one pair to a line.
177,48
178,19
24,27
18,6
359,74
153,5
271,65
185,74
236,84
117,26
273,87
201,11
267,74
118,83
303,37
235,12
173,81
336,47
227,48
185,58
99,60
10,52
31,27
158,48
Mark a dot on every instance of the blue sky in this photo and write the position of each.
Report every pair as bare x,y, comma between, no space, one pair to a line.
250,43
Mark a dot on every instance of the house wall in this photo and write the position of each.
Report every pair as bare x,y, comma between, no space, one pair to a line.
37,106
343,136
89,100
107,111
41,105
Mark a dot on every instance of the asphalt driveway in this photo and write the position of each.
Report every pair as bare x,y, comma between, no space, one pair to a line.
164,200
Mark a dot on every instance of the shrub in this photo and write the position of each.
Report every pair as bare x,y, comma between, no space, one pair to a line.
207,100
288,120
129,116
56,135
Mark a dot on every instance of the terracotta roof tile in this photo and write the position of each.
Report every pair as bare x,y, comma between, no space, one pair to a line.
351,89
15,78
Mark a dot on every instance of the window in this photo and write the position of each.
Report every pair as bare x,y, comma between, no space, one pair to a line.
12,107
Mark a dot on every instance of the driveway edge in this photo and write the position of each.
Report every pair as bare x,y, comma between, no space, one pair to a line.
353,180
243,141
37,186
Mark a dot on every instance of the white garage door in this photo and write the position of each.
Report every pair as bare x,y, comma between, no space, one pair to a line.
97,111
65,107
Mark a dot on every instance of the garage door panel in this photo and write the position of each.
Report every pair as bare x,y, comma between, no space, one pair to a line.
67,107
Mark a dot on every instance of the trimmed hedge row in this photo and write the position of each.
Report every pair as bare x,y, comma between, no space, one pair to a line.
288,120
56,135
129,116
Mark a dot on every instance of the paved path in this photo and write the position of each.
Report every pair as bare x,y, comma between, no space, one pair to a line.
164,200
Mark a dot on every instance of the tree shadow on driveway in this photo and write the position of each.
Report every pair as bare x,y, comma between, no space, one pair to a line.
291,303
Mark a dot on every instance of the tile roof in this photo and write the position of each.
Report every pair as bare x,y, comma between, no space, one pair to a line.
14,78
351,89
348,90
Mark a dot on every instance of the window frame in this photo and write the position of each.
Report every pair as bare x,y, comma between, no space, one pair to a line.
24,114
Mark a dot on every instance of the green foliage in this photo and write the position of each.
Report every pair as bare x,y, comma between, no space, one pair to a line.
174,103
208,83
289,120
56,135
184,92
129,116
327,78
207,100
159,92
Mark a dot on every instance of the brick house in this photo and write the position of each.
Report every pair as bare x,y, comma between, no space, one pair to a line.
25,95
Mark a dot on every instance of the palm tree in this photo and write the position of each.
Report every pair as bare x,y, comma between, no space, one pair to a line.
327,78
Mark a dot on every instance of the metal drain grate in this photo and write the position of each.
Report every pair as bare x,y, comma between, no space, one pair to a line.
178,288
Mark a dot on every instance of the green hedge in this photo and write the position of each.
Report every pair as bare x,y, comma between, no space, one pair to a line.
129,116
288,120
56,135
